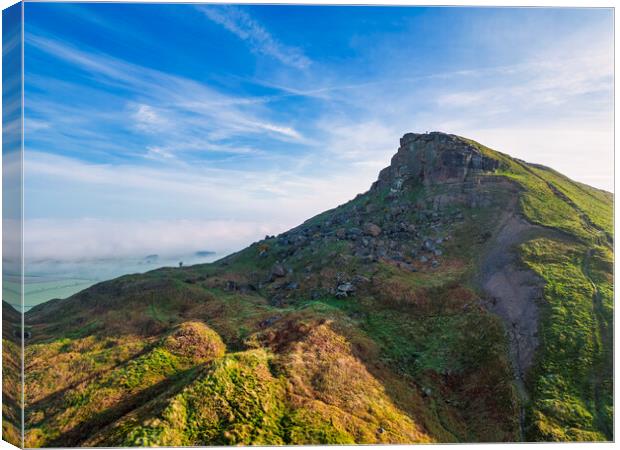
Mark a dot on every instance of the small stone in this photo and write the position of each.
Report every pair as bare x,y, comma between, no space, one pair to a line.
429,245
354,233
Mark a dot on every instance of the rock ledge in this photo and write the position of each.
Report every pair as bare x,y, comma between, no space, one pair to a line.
433,158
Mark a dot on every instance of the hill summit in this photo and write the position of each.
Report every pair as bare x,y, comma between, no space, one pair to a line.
433,158
467,296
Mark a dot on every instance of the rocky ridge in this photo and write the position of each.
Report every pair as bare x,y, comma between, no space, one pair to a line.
433,158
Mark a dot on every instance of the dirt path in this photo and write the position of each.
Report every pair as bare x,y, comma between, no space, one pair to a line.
513,291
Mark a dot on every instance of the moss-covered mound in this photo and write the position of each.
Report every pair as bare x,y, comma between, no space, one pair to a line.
195,340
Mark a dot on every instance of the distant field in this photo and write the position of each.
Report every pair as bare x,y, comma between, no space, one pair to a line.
48,280
39,292
42,291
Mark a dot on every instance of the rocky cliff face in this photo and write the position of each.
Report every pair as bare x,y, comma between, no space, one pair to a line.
433,158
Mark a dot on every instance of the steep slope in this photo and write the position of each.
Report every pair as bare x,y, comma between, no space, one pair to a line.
466,297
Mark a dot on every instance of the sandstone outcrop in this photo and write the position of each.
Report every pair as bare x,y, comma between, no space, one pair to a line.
432,158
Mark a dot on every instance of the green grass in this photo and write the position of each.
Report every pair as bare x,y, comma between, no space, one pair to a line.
564,405
542,206
11,391
434,337
419,280
238,402
112,390
596,204
259,397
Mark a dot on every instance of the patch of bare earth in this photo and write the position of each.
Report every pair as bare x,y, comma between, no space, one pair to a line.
513,290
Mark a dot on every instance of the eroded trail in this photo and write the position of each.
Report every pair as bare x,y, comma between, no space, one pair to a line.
513,291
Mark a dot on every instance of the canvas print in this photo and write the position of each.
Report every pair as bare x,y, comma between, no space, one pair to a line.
229,224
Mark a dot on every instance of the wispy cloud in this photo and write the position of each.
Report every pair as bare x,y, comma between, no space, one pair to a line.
173,112
159,153
536,84
260,40
147,118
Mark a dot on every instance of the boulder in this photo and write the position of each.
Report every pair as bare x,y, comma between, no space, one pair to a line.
372,230
345,289
278,271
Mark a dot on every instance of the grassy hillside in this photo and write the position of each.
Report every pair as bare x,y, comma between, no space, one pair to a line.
572,384
365,324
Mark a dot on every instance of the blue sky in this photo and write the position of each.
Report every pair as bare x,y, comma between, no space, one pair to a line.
167,128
